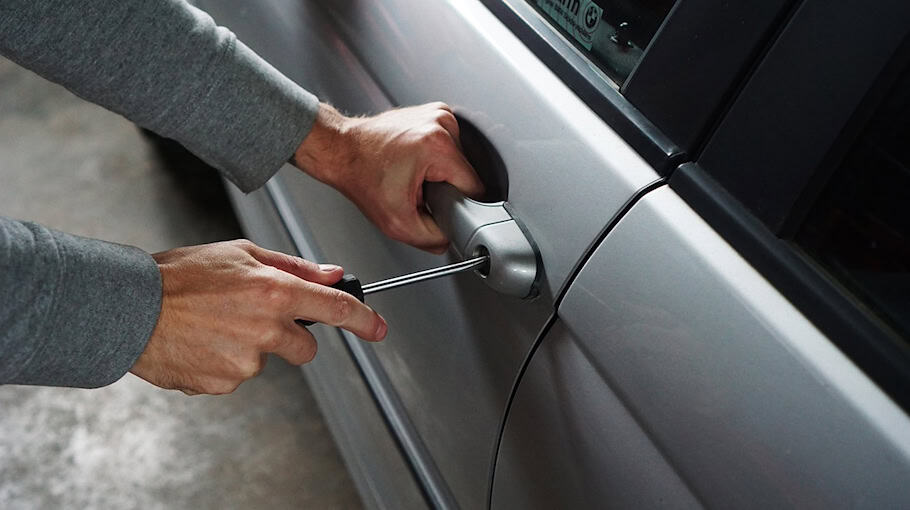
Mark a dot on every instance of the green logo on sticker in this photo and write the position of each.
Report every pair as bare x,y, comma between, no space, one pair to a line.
587,22
591,17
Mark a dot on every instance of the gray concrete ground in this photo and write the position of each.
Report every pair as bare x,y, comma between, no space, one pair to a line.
75,167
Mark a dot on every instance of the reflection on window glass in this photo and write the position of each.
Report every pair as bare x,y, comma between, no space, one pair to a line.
860,228
612,33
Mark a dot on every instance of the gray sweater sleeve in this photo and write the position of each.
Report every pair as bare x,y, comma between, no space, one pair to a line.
78,312
73,311
166,66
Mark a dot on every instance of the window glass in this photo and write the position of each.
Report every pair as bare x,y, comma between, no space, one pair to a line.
612,33
859,229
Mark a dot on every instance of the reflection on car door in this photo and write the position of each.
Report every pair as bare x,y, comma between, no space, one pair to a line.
455,347
729,343
678,376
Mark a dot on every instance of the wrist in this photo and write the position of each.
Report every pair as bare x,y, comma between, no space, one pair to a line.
325,151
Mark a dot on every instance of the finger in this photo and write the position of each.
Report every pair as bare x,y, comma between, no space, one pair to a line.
212,386
416,227
457,171
220,386
337,308
433,239
447,120
325,274
298,346
439,105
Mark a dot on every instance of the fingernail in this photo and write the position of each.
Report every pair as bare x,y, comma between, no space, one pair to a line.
328,268
382,329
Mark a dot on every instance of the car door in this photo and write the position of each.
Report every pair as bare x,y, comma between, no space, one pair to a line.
559,127
740,338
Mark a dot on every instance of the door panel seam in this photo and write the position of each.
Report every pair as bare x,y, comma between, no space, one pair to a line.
432,485
552,320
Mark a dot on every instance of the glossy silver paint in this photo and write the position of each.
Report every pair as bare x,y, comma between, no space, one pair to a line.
477,228
668,330
676,376
569,174
571,442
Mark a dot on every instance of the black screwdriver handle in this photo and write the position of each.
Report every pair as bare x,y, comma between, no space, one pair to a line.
348,283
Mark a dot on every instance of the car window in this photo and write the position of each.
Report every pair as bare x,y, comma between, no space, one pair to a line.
611,33
859,229
810,181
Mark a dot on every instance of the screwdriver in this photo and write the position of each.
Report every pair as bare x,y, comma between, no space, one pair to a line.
351,284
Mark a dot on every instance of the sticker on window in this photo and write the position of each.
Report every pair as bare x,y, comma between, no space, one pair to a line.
581,18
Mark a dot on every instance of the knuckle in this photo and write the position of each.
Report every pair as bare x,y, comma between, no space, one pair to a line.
341,307
272,291
250,369
393,227
225,387
275,297
437,137
303,264
445,116
307,353
244,244
218,387
309,356
398,231
270,339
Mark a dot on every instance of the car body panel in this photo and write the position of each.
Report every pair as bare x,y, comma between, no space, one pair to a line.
570,441
675,376
455,346
550,141
382,474
737,390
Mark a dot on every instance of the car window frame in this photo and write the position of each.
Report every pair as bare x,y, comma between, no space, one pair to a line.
664,121
764,237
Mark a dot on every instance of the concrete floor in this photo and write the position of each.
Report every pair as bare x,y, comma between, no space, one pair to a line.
77,168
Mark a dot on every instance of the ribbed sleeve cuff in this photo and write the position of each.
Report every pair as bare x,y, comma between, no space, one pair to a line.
102,305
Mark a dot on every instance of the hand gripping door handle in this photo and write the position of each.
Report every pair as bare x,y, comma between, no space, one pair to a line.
478,228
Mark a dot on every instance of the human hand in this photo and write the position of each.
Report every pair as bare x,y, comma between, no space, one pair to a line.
380,163
226,305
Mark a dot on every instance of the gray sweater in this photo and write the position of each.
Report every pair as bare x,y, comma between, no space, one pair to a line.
78,312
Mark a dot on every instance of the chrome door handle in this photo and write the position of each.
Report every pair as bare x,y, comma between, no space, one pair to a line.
477,228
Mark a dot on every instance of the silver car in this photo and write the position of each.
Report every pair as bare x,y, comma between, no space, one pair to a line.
699,288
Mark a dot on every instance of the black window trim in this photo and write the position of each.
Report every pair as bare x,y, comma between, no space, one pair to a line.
647,111
868,340
698,61
591,86
781,128
850,325
870,343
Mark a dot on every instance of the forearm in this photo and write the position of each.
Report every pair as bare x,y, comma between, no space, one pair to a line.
73,311
329,146
166,66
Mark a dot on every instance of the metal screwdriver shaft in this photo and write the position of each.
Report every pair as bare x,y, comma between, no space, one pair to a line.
428,274
350,284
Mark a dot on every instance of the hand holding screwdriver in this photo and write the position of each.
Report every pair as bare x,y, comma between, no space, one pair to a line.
351,284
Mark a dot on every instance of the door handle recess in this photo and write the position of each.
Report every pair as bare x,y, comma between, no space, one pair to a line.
477,228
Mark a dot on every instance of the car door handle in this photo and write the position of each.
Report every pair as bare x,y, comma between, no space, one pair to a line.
478,228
